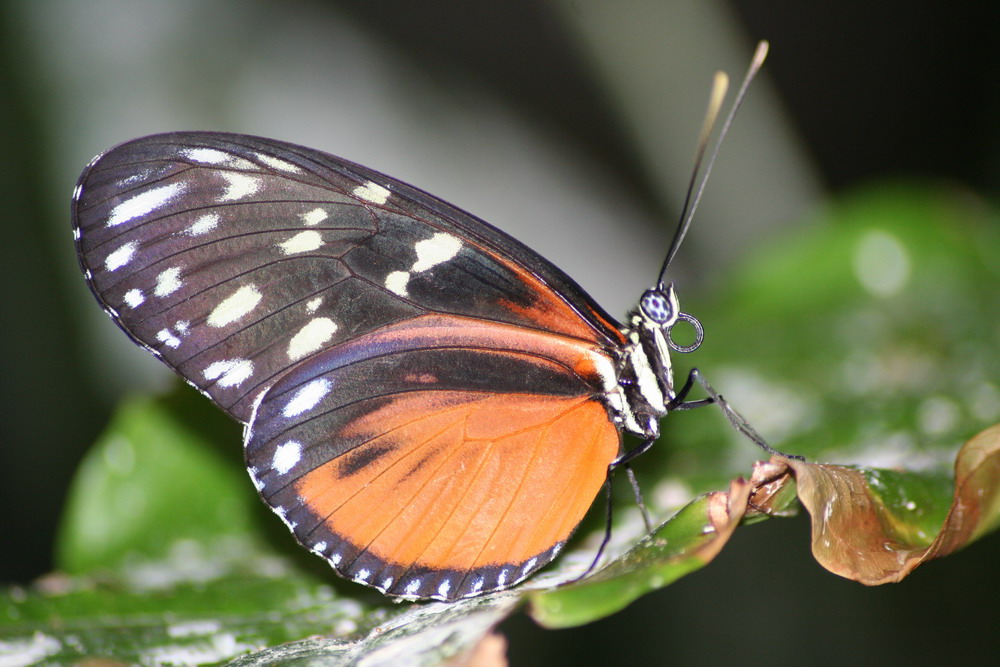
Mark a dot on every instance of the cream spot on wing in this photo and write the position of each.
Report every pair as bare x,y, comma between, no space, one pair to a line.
306,241
144,203
307,397
286,456
311,337
236,306
314,304
168,281
372,192
121,256
207,155
229,372
276,163
214,156
396,282
314,217
167,338
435,250
203,225
134,298
238,186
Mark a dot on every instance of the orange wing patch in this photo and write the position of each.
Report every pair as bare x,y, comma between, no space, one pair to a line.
459,481
551,313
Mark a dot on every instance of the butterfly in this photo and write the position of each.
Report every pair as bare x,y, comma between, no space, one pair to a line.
429,405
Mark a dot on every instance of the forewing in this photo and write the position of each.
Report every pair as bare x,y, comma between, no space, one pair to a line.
234,258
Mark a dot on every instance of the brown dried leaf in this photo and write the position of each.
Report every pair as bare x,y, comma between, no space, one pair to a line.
856,535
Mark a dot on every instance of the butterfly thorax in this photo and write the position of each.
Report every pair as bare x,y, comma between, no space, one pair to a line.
645,375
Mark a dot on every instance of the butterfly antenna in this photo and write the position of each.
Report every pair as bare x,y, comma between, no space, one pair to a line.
696,187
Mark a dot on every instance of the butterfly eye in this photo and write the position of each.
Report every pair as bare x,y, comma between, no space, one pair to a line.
656,306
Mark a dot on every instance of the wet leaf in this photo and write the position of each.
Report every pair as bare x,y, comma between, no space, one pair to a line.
868,524
686,542
63,620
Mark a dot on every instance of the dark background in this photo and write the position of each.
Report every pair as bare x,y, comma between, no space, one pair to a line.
859,92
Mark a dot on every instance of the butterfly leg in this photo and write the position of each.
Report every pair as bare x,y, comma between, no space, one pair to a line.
736,419
621,461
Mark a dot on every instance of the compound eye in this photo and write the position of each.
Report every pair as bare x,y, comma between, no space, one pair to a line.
656,306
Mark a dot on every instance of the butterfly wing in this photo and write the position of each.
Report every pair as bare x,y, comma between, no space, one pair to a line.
443,457
256,268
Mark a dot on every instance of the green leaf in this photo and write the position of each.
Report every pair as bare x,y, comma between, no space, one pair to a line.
152,479
683,544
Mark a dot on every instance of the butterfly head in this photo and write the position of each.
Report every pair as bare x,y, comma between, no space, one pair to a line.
646,371
659,311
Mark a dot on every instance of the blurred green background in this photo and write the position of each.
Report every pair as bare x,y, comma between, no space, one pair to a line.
570,125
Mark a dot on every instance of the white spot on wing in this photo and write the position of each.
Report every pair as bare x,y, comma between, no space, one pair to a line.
257,483
134,298
238,186
319,547
396,282
121,256
138,177
314,217
276,163
430,252
286,456
311,337
314,304
207,155
413,587
372,192
235,306
203,225
167,338
302,242
435,250
307,397
168,282
229,372
143,203
362,576
444,588
478,585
